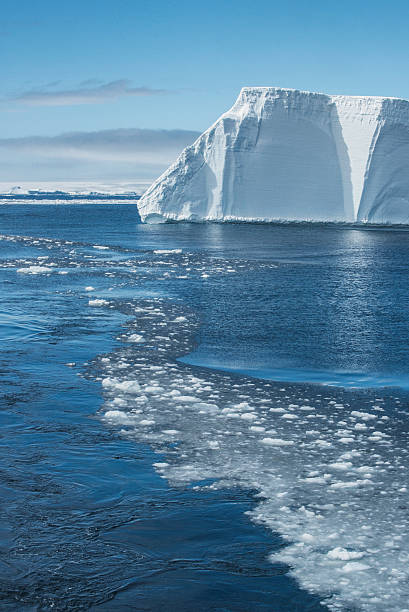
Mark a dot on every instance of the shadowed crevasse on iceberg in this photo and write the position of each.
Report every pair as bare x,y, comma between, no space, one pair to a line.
284,154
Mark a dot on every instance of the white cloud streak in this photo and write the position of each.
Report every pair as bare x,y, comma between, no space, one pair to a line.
88,92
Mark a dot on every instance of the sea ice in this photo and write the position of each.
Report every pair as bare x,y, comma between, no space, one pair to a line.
35,270
98,302
336,494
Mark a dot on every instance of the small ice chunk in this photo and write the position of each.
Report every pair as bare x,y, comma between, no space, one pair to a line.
187,399
276,442
34,270
118,417
153,389
341,465
343,554
307,537
365,416
128,386
316,479
213,444
354,566
135,338
351,484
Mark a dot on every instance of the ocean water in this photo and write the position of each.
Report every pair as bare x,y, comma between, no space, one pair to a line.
201,416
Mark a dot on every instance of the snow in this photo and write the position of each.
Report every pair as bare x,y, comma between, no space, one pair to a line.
284,154
74,187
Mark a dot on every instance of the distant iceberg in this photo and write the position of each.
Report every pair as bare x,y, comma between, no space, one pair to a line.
284,154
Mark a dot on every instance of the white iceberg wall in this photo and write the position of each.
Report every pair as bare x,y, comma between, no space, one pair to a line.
385,197
283,161
355,121
292,155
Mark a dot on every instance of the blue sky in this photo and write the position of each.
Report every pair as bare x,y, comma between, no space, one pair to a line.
115,71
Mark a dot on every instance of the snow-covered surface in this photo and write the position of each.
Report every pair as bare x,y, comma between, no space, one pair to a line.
284,154
76,188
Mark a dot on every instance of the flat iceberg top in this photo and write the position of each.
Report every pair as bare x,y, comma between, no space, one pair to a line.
275,90
287,154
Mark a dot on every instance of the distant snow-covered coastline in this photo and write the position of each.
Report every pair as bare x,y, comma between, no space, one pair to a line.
77,189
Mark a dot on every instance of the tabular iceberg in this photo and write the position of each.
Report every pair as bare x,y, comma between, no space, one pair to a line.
284,154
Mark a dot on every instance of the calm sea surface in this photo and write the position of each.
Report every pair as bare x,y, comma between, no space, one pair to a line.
201,416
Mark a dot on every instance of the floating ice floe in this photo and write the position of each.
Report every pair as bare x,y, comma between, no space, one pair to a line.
35,270
98,302
135,338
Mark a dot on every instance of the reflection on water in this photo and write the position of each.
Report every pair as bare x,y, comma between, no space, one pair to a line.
339,310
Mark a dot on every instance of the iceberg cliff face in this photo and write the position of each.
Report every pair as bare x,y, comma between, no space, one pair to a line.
283,154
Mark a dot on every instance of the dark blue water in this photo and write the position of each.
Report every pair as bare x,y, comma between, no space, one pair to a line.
87,522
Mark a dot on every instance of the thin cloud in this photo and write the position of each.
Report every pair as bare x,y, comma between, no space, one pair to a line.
88,92
118,152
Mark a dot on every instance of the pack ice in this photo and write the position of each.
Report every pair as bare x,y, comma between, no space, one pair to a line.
284,154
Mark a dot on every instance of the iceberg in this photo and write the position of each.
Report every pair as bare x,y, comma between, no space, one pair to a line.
290,155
